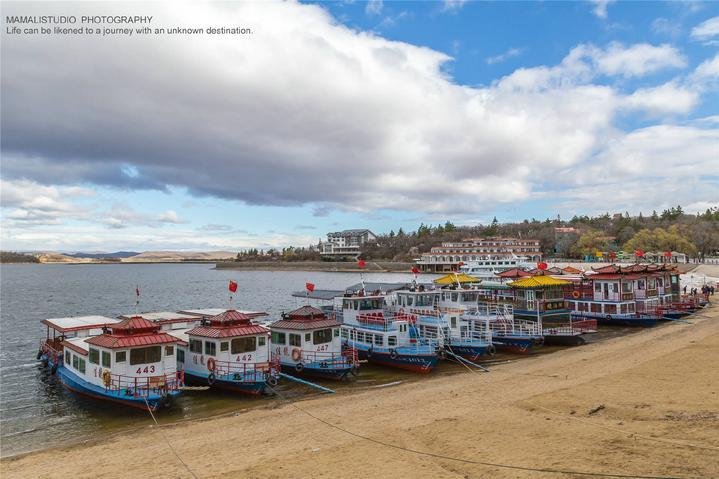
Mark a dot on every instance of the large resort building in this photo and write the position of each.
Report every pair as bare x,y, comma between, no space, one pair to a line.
498,251
346,244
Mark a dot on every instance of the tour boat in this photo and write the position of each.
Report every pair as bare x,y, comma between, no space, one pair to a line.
540,299
632,295
228,351
129,362
384,337
307,342
445,325
487,268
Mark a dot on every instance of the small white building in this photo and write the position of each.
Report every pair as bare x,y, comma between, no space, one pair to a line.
347,243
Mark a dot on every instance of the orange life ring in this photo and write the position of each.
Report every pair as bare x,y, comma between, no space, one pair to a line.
296,354
576,294
211,364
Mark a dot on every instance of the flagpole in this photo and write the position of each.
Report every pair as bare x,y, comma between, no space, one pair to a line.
137,299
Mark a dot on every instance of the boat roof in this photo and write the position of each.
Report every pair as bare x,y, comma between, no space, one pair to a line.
209,312
162,316
538,282
77,344
180,334
454,278
79,323
305,318
369,288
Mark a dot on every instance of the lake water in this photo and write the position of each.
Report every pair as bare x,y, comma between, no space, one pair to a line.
36,412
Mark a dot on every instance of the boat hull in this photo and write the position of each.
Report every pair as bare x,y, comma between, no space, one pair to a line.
84,388
419,363
250,388
564,340
336,374
517,344
471,352
645,320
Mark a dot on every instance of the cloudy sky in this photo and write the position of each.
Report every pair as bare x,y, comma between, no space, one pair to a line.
352,114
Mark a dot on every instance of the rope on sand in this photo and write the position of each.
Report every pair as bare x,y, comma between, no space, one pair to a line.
149,409
468,461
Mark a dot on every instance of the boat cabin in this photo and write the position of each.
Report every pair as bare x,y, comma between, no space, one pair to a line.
228,351
61,329
168,320
308,341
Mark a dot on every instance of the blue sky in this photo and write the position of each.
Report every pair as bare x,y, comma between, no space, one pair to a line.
355,114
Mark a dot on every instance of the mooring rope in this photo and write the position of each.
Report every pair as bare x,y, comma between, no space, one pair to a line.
149,409
469,461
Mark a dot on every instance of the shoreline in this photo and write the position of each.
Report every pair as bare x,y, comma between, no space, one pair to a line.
535,413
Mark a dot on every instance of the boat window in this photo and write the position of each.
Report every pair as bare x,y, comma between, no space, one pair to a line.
360,336
379,339
210,348
640,284
67,357
261,341
106,358
278,338
454,297
295,339
195,346
391,340
224,346
94,356
627,287
120,356
152,354
169,350
336,332
74,361
180,355
344,333
322,336
453,321
308,336
81,365
244,345
598,287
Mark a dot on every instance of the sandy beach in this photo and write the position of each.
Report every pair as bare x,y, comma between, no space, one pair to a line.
646,404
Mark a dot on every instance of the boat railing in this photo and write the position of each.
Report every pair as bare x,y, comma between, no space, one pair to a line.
247,372
384,320
572,327
143,386
52,348
515,326
494,309
346,358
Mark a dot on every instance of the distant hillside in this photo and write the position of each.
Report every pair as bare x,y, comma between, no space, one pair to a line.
118,254
172,256
10,257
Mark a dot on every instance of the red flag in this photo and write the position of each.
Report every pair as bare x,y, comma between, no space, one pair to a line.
361,264
415,270
233,286
639,253
542,266
310,287
461,263
612,255
667,254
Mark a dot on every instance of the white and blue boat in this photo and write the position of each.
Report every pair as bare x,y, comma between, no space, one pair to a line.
307,342
129,362
383,337
228,351
455,334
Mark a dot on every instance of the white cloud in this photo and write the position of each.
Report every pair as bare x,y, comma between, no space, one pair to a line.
600,7
512,52
31,203
636,60
374,7
707,70
380,120
665,26
669,98
453,5
170,216
706,30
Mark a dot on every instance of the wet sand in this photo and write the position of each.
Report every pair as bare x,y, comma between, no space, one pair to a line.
641,404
